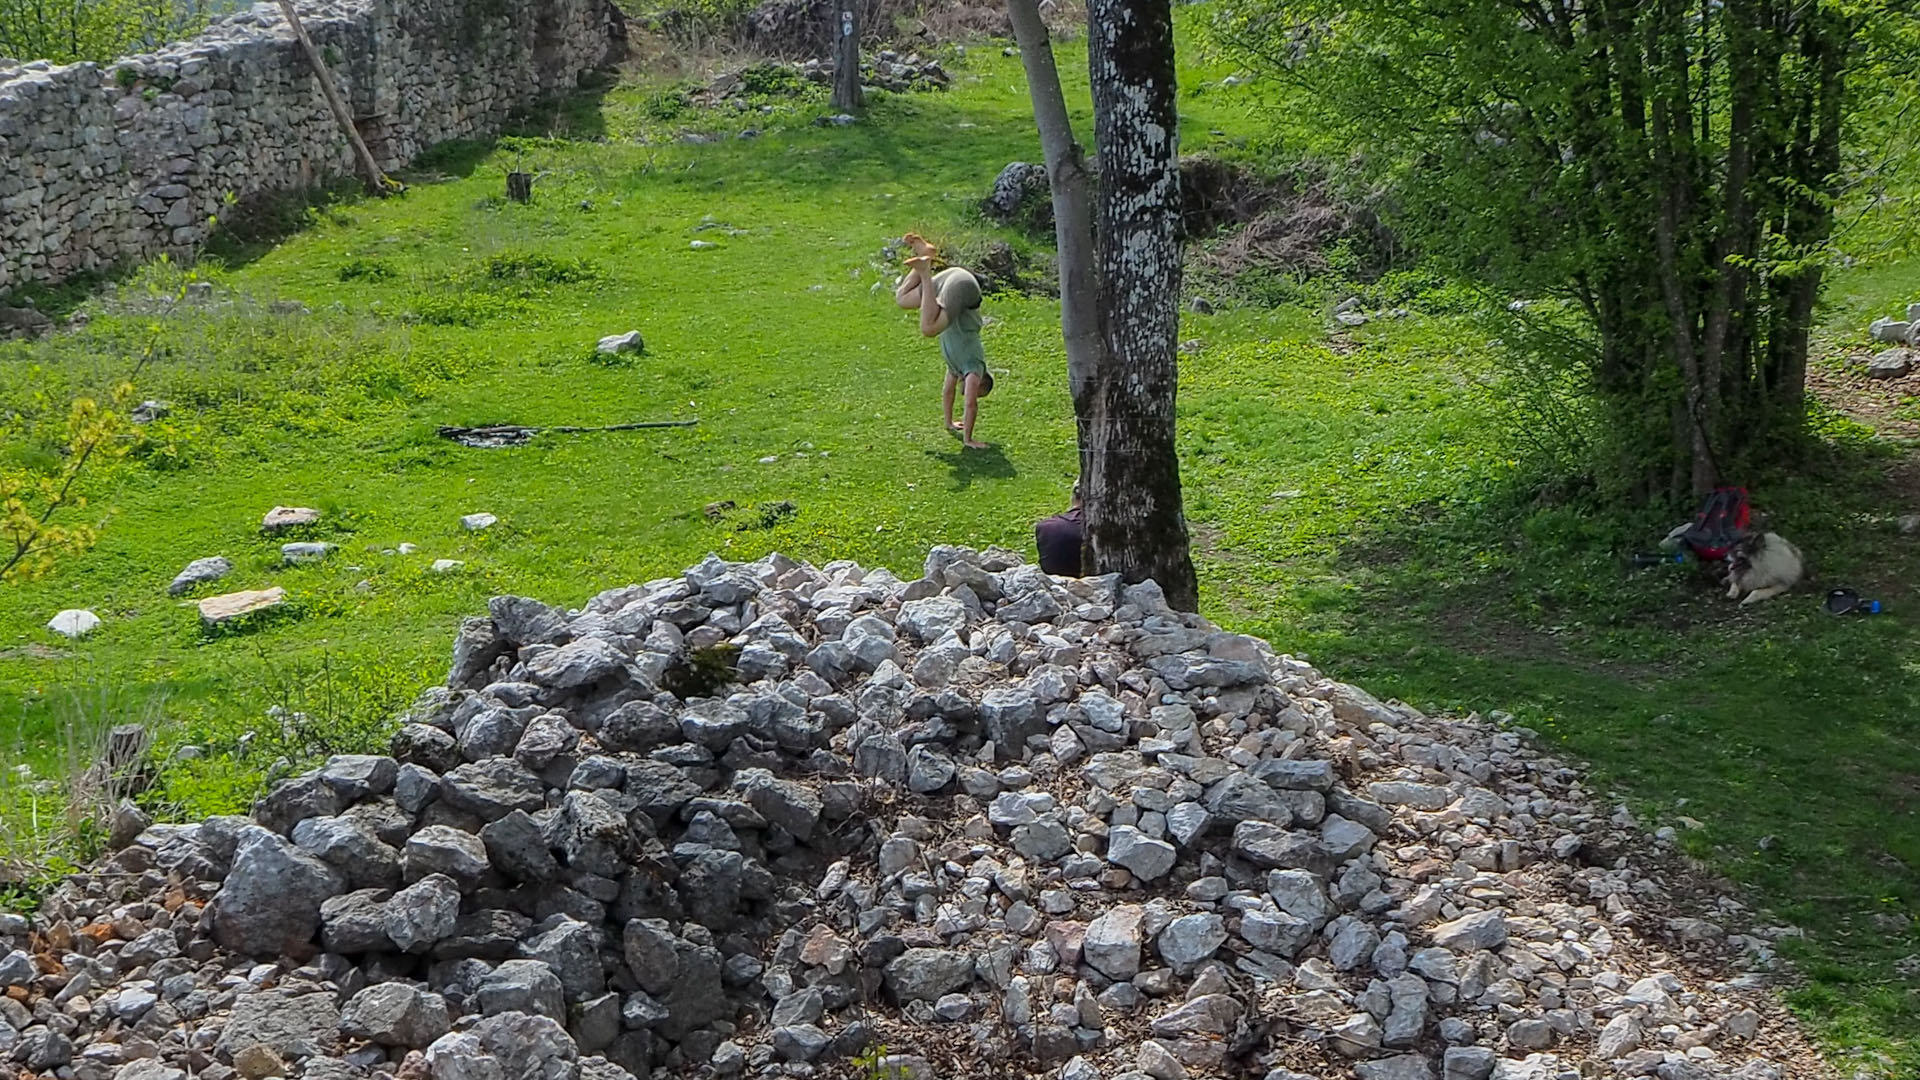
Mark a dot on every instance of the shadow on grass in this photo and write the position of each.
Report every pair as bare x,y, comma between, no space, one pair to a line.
1791,735
259,224
970,465
900,139
58,302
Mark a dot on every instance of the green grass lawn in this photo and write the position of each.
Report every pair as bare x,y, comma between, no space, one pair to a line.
1356,498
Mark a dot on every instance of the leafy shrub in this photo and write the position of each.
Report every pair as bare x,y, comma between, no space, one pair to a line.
772,80
365,270
168,445
666,105
544,269
467,309
702,672
98,30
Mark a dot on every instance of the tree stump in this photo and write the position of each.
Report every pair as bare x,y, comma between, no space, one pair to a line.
520,187
120,770
126,745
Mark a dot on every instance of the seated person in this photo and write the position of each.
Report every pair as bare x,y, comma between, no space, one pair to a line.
1060,539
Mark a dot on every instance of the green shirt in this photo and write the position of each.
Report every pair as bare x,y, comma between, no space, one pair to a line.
959,294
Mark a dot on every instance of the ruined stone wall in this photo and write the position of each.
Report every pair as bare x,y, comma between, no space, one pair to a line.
105,165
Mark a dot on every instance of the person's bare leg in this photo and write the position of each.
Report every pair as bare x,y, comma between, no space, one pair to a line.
907,294
971,413
946,400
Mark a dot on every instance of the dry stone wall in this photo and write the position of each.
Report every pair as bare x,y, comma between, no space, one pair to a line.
104,165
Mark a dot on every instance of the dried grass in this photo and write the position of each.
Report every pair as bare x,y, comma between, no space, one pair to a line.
1282,224
49,823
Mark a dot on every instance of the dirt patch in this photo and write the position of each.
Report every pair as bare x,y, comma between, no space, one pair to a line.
1904,790
1474,629
34,652
1888,406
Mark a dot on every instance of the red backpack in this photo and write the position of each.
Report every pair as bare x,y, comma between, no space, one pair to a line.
1719,524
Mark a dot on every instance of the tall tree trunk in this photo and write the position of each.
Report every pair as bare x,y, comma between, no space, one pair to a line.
1826,45
1072,183
847,96
1134,519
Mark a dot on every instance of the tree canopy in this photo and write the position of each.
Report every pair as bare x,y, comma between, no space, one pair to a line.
68,30
1669,169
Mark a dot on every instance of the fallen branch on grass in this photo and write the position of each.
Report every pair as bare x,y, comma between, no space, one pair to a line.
499,435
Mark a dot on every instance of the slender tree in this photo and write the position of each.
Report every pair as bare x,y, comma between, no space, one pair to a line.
1119,308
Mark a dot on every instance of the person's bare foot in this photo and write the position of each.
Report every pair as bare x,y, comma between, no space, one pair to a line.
953,427
974,445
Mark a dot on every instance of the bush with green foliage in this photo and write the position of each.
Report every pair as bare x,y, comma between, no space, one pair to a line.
1669,169
70,30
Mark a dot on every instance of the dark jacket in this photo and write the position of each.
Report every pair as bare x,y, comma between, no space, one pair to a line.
1059,539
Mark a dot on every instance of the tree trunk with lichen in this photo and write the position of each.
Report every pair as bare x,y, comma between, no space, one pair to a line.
1135,521
1119,302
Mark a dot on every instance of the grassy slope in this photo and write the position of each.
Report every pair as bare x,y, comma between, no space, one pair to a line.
1352,496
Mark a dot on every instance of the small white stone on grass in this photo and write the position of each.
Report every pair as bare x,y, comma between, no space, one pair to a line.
74,623
304,552
477,522
615,344
702,245
446,566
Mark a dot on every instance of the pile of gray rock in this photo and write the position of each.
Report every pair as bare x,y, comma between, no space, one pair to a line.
761,818
886,70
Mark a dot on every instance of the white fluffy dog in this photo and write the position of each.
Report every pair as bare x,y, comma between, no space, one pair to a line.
1761,567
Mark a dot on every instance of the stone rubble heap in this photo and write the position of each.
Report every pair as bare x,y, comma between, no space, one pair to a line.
886,70
762,818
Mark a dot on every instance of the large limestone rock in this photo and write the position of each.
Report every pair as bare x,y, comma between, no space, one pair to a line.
232,607
270,904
